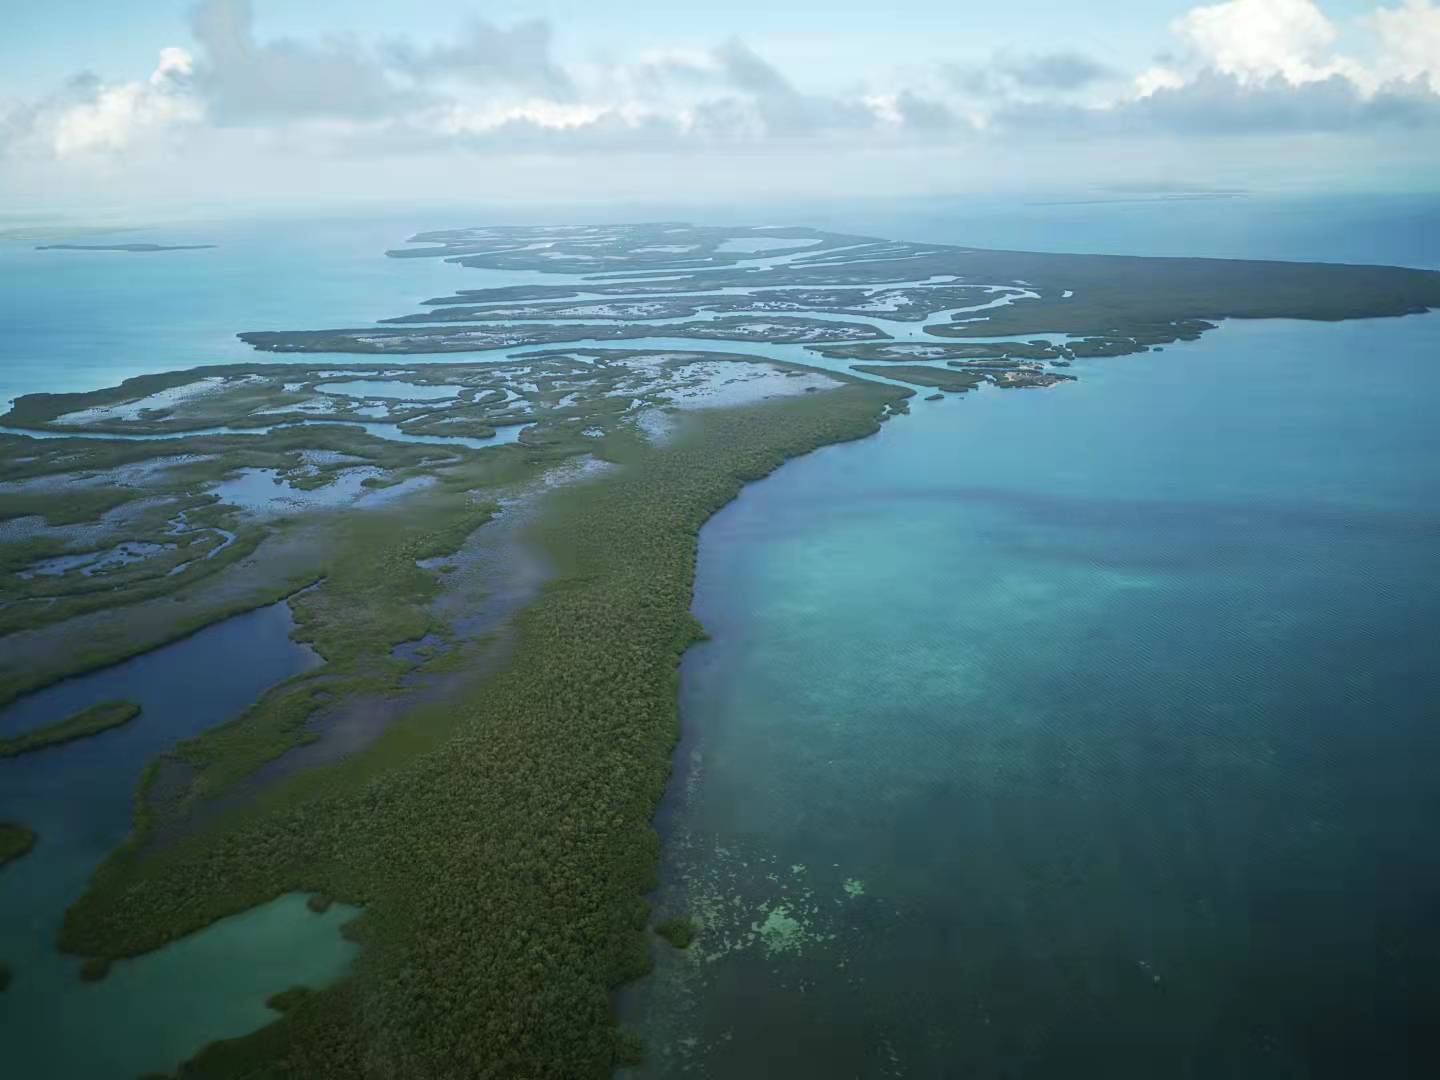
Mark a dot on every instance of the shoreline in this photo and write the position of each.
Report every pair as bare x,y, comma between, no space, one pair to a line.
569,743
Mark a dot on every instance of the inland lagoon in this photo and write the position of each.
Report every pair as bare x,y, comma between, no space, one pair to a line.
150,1013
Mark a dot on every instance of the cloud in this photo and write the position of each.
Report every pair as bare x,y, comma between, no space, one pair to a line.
490,55
1260,39
1057,71
1231,71
1271,66
779,107
117,116
1005,75
1409,38
88,116
1226,104
244,81
747,71
1217,104
922,114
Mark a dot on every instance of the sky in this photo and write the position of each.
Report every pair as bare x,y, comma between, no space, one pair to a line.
148,102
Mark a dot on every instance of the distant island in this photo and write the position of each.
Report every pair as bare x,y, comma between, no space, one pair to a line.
123,247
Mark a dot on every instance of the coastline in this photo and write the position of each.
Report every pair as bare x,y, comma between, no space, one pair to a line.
569,742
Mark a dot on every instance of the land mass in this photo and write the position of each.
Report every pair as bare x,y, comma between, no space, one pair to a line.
470,338
134,248
1111,304
80,725
506,747
15,841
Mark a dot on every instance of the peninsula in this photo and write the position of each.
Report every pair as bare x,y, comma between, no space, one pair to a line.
492,559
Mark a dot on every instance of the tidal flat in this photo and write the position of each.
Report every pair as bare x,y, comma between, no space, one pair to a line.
511,764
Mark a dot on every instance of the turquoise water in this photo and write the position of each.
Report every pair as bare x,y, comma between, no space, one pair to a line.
77,320
1085,732
1079,732
80,320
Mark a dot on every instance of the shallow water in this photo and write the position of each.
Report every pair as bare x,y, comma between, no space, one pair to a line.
176,310
152,1012
490,577
392,388
507,434
1078,732
756,245
264,493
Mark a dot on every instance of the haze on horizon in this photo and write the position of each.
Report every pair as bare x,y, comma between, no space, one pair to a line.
144,104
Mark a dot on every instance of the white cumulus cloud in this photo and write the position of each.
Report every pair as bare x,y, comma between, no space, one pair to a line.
1228,70
1409,38
116,117
1255,40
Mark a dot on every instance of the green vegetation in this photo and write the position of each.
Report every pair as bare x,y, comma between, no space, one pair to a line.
940,378
629,1049
203,560
475,423
909,304
679,931
1118,346
497,835
67,507
645,246
373,597
288,1000
15,840
501,844
133,248
473,337
238,396
1107,290
1123,304
917,350
80,725
319,903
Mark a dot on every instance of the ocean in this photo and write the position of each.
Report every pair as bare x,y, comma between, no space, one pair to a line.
1087,732
1083,732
